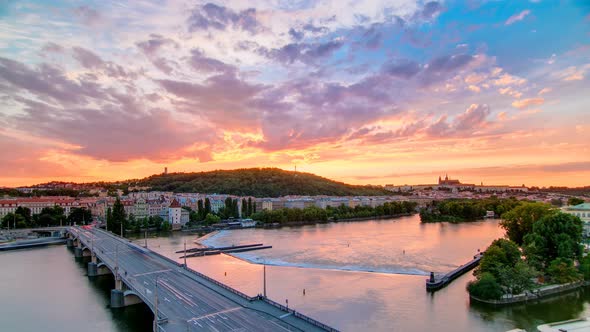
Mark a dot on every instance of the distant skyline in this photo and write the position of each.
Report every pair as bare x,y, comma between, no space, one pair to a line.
364,92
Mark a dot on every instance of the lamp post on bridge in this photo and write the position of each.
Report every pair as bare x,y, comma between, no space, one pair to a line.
156,306
263,276
185,254
116,260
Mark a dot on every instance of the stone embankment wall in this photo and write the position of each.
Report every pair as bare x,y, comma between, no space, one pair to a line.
534,295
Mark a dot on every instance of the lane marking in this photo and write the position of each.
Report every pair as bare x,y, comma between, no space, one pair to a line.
194,319
147,273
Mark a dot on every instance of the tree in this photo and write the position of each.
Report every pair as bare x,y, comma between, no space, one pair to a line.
12,220
249,210
228,206
200,210
119,217
133,224
562,271
585,267
50,216
165,226
574,201
500,254
557,235
109,218
79,216
519,221
244,208
234,208
486,287
207,206
157,222
25,212
517,278
211,219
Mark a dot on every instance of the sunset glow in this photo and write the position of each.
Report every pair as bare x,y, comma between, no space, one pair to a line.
364,92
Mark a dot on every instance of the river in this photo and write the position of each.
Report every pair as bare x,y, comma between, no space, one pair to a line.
357,276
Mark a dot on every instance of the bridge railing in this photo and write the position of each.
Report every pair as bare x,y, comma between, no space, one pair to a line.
162,318
199,274
300,315
242,295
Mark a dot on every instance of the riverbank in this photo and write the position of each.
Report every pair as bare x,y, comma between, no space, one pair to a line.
535,295
306,223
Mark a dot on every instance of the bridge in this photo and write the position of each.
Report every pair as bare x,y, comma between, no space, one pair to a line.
182,299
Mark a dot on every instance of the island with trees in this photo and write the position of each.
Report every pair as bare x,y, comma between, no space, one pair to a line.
313,214
466,210
541,255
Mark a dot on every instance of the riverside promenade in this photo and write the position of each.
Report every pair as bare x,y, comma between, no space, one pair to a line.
182,299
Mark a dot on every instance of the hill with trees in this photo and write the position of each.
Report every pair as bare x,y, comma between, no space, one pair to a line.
257,182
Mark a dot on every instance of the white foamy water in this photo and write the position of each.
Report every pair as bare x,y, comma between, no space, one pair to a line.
399,246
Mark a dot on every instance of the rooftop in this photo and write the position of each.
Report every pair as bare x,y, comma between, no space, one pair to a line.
583,206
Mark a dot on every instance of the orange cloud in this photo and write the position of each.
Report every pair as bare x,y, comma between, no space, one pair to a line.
524,103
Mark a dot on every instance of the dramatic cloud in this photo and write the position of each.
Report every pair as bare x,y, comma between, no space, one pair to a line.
404,68
211,16
105,133
473,119
47,82
156,42
89,60
307,53
431,9
517,17
114,85
199,62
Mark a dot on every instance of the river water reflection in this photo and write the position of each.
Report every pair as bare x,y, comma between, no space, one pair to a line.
331,261
47,289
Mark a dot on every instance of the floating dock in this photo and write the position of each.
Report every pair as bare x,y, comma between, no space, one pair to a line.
32,243
435,283
219,248
197,252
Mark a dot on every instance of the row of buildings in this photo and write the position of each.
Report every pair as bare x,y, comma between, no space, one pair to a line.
456,186
168,205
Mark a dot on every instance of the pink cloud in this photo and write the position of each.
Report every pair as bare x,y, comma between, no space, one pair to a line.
517,17
524,103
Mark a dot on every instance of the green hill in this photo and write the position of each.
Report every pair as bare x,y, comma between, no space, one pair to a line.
258,182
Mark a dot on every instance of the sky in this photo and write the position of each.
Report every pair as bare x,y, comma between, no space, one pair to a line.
365,92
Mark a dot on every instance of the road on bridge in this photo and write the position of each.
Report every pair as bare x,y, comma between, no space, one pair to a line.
186,303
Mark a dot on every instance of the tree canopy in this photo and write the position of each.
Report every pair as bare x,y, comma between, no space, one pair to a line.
574,201
257,182
519,221
556,235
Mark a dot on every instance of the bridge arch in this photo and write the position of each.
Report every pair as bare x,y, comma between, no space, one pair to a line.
125,298
86,252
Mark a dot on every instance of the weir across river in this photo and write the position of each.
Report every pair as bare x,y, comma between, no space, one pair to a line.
181,299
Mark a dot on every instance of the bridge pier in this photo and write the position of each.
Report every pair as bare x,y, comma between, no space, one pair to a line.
78,252
70,243
98,269
120,297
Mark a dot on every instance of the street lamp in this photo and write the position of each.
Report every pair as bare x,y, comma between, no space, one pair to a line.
156,306
263,276
185,254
